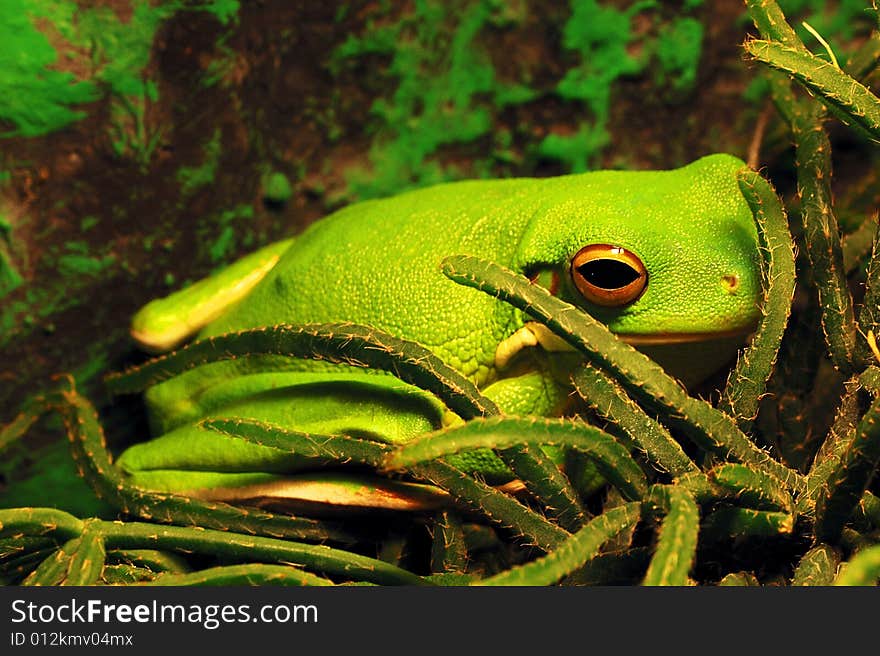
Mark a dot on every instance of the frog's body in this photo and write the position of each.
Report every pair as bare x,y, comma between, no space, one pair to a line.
377,263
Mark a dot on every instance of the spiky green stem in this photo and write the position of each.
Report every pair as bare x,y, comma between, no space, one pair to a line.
87,560
817,567
613,460
741,522
336,449
747,381
847,483
235,546
754,489
608,399
850,100
739,579
47,522
448,547
858,244
157,561
250,574
90,453
771,22
869,315
573,553
677,543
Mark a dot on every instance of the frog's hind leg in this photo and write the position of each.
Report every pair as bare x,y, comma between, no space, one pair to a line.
165,323
192,458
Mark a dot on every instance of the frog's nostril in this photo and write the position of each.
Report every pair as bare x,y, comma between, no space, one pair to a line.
730,283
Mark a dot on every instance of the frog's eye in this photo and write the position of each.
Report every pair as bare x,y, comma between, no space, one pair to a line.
608,275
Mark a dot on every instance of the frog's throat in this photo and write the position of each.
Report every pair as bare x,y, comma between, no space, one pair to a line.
536,334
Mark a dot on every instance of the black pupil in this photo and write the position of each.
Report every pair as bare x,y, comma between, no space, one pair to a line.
608,274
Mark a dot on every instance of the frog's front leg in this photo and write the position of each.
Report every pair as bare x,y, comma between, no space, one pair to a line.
165,323
534,369
537,384
534,393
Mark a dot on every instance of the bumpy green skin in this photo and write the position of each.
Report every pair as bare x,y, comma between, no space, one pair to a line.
377,263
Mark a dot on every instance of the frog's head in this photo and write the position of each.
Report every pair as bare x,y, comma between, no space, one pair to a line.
664,258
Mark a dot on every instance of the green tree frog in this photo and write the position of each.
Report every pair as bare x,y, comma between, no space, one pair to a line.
668,260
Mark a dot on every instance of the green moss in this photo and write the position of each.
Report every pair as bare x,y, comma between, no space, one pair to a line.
10,278
124,52
276,187
220,245
35,97
341,13
223,244
601,36
505,13
446,93
678,50
83,265
575,150
77,247
223,10
76,267
514,94
87,223
222,64
192,178
125,49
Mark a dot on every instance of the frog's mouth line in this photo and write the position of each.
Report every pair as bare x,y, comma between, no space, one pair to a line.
536,334
684,338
